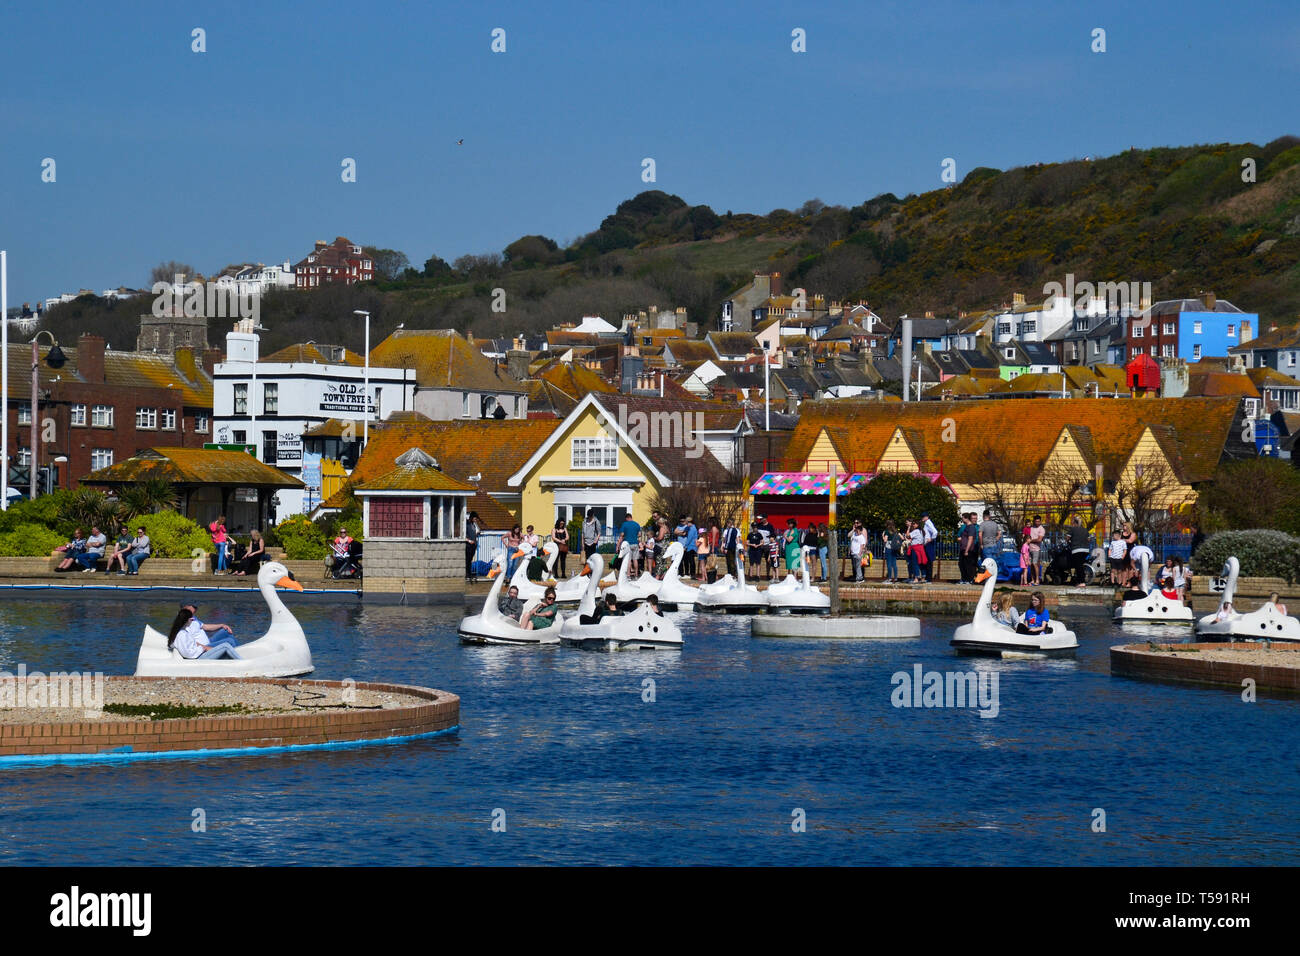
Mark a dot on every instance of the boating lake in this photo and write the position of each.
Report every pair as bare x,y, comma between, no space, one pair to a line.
740,735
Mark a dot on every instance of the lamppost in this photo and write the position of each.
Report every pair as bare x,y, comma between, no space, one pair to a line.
54,358
365,422
4,380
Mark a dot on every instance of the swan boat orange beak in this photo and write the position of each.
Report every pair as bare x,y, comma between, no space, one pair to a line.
288,582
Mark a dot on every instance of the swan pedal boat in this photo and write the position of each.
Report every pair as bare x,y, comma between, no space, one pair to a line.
628,592
732,595
675,594
984,635
568,591
1263,624
1150,605
639,629
797,595
490,626
281,652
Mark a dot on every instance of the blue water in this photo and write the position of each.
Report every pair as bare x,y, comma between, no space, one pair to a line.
741,733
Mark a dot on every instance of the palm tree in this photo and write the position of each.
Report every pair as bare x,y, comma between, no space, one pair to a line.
147,497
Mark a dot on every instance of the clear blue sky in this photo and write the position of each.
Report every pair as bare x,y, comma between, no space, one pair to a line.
234,154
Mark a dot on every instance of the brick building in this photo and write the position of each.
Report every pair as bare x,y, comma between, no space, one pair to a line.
338,261
104,406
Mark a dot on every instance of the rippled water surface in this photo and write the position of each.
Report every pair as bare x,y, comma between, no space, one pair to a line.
741,734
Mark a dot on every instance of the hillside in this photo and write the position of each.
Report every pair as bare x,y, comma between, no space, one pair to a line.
1180,218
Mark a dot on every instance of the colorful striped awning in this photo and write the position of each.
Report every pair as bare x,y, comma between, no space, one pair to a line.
815,482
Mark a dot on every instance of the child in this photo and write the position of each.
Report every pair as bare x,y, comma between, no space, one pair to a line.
1037,617
1115,555
1024,561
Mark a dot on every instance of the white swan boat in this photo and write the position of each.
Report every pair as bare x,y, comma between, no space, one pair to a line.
675,594
984,635
490,626
568,591
639,629
803,597
281,652
731,595
628,591
1149,604
1265,623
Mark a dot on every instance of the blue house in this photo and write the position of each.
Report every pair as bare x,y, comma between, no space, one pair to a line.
1190,329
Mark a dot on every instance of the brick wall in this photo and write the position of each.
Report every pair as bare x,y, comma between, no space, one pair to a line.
414,569
213,733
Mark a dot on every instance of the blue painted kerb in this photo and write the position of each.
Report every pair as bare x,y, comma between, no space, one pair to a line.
125,753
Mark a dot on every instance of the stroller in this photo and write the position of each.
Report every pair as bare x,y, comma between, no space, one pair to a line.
350,566
1058,569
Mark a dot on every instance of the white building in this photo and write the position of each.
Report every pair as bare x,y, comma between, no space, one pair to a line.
259,279
269,402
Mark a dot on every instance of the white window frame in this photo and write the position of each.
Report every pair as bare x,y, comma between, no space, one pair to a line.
146,418
200,424
596,453
1232,330
101,458
1167,351
101,416
241,398
1170,328
271,398
24,413
24,456
77,415
1196,352
168,419
1137,331
1196,328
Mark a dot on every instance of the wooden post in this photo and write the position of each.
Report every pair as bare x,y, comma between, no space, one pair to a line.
834,551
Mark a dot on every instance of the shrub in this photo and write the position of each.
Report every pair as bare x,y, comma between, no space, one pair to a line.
897,497
1260,552
173,536
45,510
29,540
301,539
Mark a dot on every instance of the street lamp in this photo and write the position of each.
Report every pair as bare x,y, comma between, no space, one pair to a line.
54,358
365,422
4,380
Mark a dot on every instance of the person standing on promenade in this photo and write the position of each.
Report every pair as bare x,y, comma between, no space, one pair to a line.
590,534
824,550
221,540
1080,544
968,548
1132,573
511,545
731,545
1116,554
630,532
891,544
1198,538
471,544
990,534
857,545
560,535
1037,534
930,541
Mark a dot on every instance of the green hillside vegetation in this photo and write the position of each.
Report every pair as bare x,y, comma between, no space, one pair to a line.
1179,218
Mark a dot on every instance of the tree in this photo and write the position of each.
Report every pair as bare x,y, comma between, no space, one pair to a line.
898,496
168,271
700,490
532,251
147,497
1145,493
389,263
1273,501
436,268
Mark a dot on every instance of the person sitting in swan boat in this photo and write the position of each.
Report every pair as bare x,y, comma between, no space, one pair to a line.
608,609
189,635
542,615
1226,613
1037,617
1277,605
1004,610
510,606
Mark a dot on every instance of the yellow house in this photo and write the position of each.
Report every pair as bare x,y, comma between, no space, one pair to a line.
614,454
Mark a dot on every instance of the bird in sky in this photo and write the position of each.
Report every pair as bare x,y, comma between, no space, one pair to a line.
460,142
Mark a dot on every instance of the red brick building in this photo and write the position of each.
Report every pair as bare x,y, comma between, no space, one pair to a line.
340,261
105,406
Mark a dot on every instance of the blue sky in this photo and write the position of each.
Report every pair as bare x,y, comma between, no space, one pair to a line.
234,154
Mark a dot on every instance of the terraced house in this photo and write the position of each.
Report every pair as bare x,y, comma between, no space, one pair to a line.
103,406
1134,455
454,380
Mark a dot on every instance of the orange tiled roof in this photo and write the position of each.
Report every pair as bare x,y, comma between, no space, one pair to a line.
1212,384
493,449
1023,430
1271,376
415,478
193,466
442,358
308,352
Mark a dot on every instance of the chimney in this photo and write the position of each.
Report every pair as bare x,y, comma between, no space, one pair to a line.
1210,299
1017,298
763,285
321,244
517,364
90,358
211,356
775,284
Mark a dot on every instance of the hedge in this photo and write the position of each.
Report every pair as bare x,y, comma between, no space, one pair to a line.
1260,552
